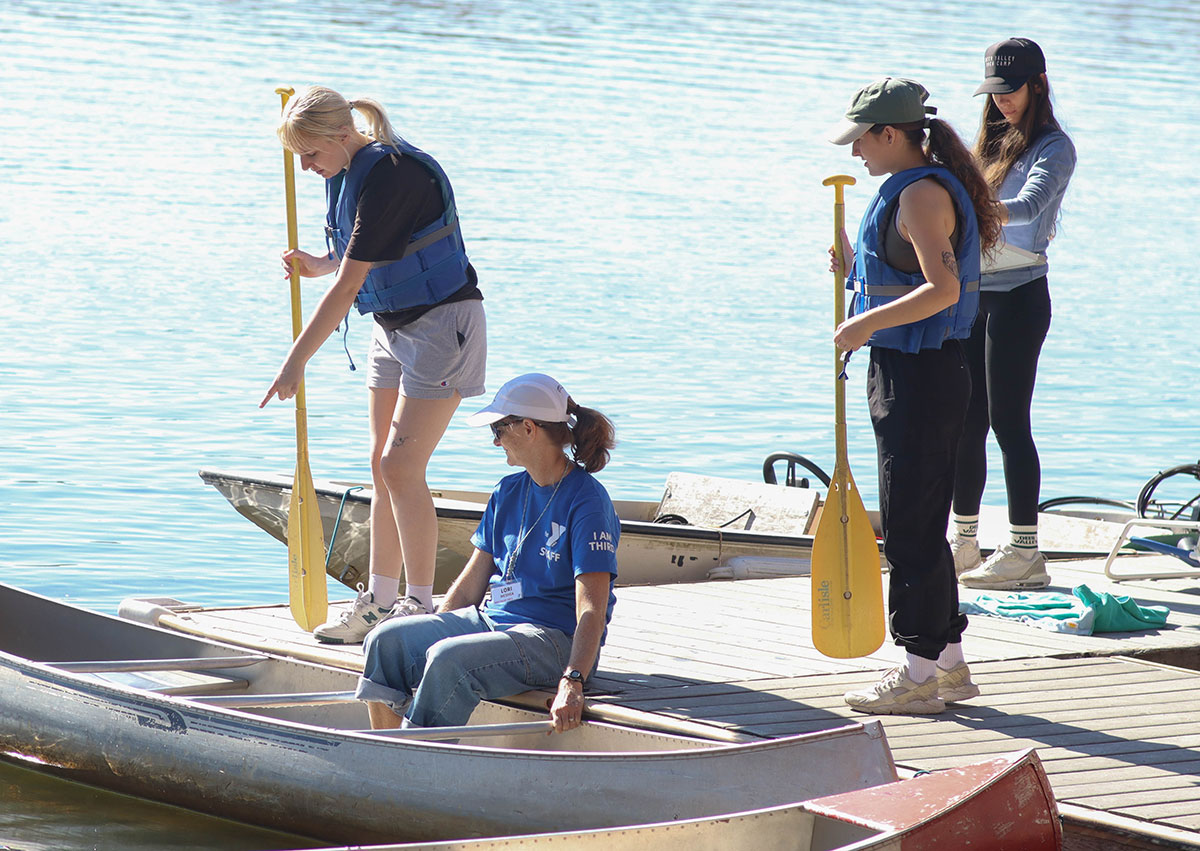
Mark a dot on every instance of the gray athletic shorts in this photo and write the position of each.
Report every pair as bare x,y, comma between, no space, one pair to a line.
442,352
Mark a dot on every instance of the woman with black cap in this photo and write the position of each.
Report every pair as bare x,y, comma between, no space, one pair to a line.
545,560
915,275
1027,160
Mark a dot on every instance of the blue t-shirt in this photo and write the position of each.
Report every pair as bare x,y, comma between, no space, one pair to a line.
566,533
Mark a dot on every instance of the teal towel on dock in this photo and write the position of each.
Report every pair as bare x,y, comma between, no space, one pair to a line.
1082,612
1120,614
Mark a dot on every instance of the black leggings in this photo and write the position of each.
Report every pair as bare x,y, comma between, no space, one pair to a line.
1002,353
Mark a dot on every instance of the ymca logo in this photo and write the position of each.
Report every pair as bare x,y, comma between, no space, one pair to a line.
556,532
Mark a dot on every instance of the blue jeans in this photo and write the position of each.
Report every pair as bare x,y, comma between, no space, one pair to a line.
440,666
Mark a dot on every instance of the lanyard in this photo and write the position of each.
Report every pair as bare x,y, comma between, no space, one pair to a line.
511,563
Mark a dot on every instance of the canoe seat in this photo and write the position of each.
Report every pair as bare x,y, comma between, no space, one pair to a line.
173,682
716,503
167,676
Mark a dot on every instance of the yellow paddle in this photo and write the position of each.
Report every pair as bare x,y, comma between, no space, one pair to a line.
306,543
847,617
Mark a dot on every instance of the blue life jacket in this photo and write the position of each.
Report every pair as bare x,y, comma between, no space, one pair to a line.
876,283
434,264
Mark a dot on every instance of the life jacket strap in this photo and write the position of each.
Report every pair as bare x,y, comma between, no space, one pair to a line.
899,289
424,242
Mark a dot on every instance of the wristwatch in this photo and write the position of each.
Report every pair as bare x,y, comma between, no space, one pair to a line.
574,676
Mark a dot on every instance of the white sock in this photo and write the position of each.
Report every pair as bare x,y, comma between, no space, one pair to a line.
966,525
919,668
424,593
1024,540
384,589
951,655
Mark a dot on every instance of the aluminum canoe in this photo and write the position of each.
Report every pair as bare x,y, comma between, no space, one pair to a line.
700,528
281,743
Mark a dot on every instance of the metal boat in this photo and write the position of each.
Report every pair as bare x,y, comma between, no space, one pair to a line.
281,743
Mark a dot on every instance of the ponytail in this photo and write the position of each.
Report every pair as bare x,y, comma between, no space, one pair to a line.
944,148
591,439
379,127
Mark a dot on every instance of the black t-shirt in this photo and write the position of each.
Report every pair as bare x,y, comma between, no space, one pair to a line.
398,198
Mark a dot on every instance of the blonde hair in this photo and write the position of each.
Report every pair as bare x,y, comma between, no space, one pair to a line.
319,112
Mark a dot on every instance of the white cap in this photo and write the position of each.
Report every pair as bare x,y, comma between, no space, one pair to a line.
534,396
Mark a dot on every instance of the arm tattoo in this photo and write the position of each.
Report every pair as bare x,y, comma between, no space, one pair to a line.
949,262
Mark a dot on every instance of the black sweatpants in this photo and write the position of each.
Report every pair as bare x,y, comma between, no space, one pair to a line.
918,403
1002,354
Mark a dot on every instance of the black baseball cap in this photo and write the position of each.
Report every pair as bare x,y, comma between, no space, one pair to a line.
1008,65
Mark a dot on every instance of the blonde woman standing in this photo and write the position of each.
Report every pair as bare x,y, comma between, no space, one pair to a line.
396,252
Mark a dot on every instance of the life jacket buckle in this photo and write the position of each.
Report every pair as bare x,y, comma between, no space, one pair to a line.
332,237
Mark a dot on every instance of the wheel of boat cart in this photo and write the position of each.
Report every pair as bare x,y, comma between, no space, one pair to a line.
790,479
1178,501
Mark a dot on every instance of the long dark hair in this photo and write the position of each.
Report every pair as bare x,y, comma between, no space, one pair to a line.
591,439
1001,144
943,147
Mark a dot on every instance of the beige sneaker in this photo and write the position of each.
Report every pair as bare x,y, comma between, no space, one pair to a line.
353,624
1009,569
955,685
896,694
406,606
966,554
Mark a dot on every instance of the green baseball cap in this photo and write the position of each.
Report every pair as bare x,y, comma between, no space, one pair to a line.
892,100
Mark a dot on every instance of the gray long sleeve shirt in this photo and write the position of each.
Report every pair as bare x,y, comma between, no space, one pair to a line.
1032,192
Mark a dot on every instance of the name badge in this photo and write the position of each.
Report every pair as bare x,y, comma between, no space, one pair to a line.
506,592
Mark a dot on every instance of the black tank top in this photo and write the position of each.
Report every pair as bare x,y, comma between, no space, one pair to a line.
899,252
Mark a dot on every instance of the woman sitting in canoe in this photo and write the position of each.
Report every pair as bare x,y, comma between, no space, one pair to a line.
915,273
397,253
531,607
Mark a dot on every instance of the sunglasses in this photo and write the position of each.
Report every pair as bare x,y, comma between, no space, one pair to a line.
499,427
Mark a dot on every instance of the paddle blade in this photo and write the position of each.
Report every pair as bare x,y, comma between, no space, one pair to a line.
307,595
847,582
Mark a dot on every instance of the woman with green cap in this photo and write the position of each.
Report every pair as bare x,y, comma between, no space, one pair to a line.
915,276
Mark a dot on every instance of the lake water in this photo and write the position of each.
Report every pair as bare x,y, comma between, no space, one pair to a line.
640,189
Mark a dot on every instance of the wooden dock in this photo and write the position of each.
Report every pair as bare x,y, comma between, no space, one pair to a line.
1114,717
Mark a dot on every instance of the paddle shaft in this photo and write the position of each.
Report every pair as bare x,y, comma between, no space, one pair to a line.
306,545
841,467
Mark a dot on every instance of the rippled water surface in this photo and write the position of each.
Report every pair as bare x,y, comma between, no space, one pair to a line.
640,190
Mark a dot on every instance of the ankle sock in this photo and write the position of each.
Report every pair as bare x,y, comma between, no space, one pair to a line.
919,668
424,593
951,655
966,525
1024,539
384,589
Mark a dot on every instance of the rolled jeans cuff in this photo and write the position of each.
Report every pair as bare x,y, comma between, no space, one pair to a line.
369,690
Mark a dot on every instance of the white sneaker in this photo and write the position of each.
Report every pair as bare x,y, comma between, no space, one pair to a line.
353,624
407,606
896,694
955,685
966,554
1009,569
